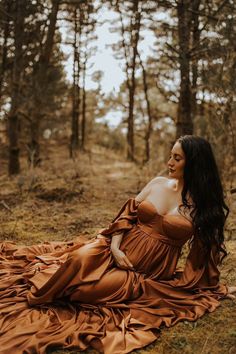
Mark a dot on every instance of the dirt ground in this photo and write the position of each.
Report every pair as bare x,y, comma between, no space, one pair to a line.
65,198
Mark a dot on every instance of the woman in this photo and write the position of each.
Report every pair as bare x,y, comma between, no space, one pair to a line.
115,292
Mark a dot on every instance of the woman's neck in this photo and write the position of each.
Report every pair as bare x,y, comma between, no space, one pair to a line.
179,185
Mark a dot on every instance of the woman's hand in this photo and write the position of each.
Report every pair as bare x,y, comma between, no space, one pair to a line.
121,259
231,291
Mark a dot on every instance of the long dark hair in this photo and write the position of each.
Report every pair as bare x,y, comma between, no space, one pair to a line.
203,185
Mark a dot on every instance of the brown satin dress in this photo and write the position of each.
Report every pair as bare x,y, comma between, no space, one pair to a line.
72,295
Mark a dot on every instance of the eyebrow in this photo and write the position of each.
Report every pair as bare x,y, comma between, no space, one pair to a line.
175,154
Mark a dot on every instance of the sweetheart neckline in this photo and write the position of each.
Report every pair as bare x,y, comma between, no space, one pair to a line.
165,215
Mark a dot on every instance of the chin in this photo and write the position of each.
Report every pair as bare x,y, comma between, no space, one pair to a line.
172,174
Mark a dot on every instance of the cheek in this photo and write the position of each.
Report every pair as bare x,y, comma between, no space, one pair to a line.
181,166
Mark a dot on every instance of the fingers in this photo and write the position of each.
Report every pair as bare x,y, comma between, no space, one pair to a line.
122,260
230,296
128,263
125,267
124,263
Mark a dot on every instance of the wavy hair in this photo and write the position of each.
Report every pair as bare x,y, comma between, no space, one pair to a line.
203,185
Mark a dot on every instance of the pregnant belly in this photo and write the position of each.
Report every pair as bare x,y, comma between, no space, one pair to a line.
140,249
149,255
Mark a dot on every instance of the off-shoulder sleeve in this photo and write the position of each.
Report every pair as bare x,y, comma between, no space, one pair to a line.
125,219
199,275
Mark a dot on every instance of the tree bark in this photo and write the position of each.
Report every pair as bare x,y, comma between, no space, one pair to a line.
83,123
130,67
13,122
149,114
195,44
135,24
84,26
74,142
135,27
40,82
184,122
6,31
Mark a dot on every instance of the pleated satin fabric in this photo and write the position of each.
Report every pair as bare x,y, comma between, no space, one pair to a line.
72,295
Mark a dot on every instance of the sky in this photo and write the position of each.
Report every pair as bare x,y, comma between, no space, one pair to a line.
104,58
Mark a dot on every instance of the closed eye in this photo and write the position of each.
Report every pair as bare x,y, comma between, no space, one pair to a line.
175,158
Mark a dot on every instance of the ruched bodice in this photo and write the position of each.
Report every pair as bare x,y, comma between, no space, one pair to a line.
155,242
175,229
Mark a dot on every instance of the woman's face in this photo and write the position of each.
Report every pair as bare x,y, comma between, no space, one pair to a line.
176,162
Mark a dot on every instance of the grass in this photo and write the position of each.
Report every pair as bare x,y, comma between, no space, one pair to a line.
65,199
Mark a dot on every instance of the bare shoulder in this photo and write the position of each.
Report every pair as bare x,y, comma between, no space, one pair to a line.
164,182
156,184
161,181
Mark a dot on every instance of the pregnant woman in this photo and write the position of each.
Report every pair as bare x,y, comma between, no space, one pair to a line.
115,292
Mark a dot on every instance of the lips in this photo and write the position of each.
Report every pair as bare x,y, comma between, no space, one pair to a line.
170,170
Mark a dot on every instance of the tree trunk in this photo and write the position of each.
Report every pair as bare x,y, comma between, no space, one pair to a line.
83,123
40,82
74,142
130,132
135,27
149,114
13,123
6,31
184,122
195,44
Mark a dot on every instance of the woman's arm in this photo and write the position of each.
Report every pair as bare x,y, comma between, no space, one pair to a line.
116,240
200,274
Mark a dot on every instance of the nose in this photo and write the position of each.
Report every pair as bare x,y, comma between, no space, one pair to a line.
170,162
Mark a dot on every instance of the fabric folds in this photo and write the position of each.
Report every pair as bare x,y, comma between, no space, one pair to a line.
72,295
125,219
199,275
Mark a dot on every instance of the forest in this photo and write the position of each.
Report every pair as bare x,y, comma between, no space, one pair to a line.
67,165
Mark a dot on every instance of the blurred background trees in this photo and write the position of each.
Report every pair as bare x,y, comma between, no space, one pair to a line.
184,83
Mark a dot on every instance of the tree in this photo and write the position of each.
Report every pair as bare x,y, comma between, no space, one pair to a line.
84,23
130,50
13,118
89,37
133,18
74,141
40,74
217,81
5,19
149,113
22,28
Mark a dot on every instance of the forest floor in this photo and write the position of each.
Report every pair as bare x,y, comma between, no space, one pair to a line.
65,198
